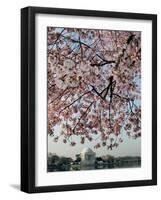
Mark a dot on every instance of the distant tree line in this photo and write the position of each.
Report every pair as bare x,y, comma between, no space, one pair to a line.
56,163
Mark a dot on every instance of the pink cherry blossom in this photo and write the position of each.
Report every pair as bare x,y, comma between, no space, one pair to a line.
94,85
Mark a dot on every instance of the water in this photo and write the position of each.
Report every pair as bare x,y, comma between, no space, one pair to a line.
111,166
78,167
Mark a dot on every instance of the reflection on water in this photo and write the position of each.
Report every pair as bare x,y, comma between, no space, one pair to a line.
96,166
111,166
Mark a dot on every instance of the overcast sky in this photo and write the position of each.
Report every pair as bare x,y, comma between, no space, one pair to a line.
129,147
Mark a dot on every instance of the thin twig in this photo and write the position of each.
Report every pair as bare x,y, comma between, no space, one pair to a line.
83,115
74,101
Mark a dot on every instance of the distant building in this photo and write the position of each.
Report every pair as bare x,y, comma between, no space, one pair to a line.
88,157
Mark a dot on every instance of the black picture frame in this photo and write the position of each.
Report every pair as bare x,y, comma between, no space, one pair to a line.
28,98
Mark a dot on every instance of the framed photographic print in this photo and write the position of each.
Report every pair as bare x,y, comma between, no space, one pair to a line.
88,99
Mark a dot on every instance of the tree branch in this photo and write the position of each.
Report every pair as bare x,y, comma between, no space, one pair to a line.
130,38
126,98
57,38
74,101
83,115
82,43
59,96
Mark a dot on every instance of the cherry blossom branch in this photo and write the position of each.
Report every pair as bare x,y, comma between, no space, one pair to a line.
126,98
82,43
67,97
74,101
104,92
109,54
52,85
57,38
83,115
130,38
59,96
103,63
134,113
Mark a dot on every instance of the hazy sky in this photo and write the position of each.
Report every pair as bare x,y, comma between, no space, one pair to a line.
129,147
